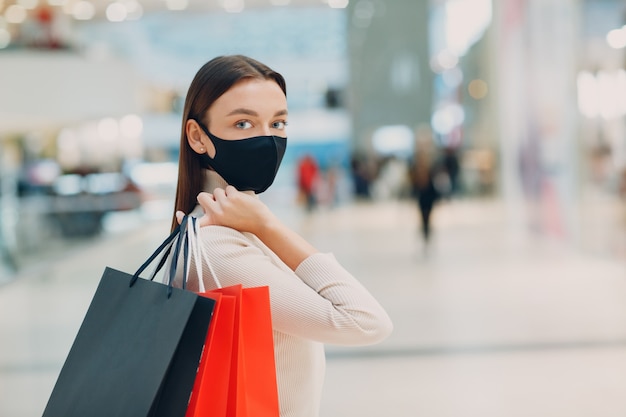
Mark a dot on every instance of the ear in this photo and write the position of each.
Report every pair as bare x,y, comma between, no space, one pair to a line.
197,139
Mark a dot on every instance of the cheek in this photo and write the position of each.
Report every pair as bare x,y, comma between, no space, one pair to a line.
210,148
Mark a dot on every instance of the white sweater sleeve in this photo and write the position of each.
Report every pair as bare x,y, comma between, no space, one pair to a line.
320,301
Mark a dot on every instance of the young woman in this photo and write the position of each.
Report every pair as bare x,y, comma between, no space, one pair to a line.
232,142
423,173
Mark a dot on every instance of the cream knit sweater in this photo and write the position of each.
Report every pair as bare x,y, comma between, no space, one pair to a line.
320,302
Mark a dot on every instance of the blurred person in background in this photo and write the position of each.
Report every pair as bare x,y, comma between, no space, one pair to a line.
232,142
423,172
308,181
452,167
363,173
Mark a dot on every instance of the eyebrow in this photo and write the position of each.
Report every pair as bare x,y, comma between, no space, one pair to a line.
253,113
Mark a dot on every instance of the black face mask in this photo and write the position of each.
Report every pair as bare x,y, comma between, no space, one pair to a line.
247,164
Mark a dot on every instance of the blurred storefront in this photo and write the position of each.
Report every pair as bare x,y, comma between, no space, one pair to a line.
527,93
67,125
559,86
536,45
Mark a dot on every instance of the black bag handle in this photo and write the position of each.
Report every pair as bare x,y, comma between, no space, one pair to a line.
186,250
181,232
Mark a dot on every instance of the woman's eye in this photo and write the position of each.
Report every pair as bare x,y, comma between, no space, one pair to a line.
244,124
279,125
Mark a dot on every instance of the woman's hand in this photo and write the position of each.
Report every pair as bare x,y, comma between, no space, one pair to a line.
245,213
232,208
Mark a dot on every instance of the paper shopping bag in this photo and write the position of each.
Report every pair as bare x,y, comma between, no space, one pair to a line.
210,392
237,374
136,353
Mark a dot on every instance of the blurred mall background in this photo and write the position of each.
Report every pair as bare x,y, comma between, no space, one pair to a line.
526,97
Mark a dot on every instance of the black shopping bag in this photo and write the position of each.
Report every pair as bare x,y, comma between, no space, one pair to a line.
137,351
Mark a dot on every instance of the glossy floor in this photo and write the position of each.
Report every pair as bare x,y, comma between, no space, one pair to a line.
490,321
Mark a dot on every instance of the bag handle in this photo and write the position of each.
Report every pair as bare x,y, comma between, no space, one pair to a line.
195,249
181,232
200,256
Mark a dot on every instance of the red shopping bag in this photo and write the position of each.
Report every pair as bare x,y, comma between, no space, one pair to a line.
237,372
210,392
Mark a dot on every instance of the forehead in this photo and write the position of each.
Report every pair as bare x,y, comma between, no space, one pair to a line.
259,95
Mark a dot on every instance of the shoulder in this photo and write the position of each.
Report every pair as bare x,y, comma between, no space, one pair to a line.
223,236
228,243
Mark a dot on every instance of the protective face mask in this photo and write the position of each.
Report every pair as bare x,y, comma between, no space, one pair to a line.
247,164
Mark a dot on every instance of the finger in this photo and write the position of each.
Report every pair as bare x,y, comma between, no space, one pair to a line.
230,190
209,204
204,199
219,194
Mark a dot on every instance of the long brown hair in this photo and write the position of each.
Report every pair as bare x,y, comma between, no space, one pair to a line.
211,81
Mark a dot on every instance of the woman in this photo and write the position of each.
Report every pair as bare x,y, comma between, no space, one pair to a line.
232,142
423,171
